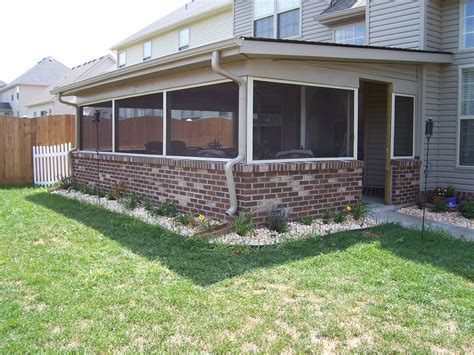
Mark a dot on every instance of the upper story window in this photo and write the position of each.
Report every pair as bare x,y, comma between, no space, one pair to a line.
466,141
122,59
468,24
276,18
183,39
352,34
146,50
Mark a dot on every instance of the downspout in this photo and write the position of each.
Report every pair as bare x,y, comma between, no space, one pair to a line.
60,99
215,64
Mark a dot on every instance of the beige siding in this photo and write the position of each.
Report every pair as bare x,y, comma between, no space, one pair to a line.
312,30
211,29
433,25
447,171
395,23
243,13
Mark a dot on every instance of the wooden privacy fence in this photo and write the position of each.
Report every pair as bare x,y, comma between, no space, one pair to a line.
51,163
18,136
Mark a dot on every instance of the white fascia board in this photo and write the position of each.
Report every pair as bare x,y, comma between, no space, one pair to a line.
314,51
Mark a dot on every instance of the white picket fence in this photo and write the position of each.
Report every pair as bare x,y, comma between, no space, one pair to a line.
51,163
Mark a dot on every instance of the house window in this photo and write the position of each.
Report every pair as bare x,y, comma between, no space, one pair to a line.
353,34
43,113
403,126
183,39
17,92
139,125
13,97
147,50
466,141
88,128
34,114
467,24
302,122
199,125
276,18
122,59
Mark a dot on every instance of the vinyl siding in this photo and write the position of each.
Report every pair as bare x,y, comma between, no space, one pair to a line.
433,25
212,29
394,23
311,29
243,18
446,170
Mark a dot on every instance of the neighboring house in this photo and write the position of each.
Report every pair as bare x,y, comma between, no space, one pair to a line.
29,85
309,105
46,104
193,25
5,109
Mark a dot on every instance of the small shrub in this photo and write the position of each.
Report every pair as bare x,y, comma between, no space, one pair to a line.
466,208
450,191
63,184
186,219
243,225
205,224
147,205
277,220
75,186
87,190
118,189
167,209
307,220
439,207
110,196
359,211
130,202
340,217
328,217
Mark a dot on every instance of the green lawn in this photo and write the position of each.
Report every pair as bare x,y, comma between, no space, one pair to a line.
74,276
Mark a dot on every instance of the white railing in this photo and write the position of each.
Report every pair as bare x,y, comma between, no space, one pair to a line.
51,163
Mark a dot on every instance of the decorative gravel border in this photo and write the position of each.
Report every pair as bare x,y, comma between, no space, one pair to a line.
259,237
450,217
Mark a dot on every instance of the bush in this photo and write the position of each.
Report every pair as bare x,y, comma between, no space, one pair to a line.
243,225
340,217
110,196
450,191
307,220
147,205
186,219
360,211
328,217
277,220
167,209
439,207
131,202
466,208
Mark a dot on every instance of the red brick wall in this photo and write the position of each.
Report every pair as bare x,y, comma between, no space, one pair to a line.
405,181
303,188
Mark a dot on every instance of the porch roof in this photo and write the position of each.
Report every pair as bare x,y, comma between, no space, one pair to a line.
242,48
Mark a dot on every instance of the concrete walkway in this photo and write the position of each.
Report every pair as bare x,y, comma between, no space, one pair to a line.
389,214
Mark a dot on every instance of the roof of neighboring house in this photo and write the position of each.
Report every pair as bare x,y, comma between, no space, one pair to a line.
80,72
5,106
192,10
44,73
339,5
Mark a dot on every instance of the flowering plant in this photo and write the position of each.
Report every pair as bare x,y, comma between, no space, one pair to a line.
439,191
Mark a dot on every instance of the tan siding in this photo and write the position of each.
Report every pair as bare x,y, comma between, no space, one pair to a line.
394,23
312,30
243,18
433,25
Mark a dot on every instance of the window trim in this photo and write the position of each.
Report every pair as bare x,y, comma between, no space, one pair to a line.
165,118
460,117
180,47
275,20
461,28
151,50
350,25
250,85
392,128
124,52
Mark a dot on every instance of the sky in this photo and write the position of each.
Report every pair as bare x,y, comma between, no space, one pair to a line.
72,32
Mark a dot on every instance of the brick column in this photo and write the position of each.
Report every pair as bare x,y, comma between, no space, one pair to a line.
405,180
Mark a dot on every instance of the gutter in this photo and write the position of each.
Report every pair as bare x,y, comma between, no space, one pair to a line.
215,64
60,99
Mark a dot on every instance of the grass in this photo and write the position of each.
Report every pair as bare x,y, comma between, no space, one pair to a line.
76,277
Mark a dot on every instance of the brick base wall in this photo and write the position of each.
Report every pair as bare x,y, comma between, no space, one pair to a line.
303,188
405,181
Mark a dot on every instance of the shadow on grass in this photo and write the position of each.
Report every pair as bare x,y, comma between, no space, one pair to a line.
205,264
